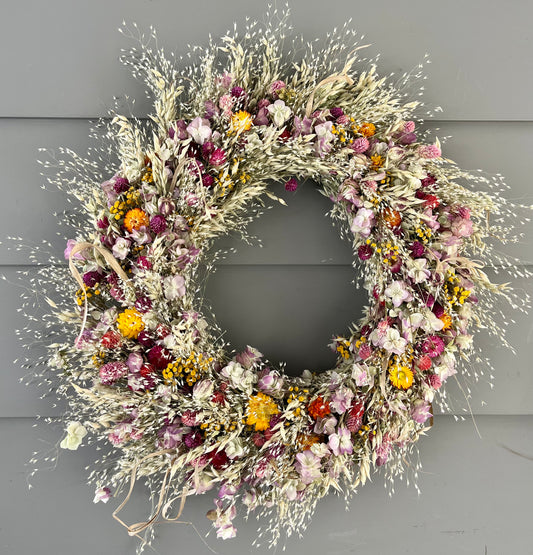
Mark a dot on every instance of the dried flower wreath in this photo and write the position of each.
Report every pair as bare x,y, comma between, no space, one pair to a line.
149,374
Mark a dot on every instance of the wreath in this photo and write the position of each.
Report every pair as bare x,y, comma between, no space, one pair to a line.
149,373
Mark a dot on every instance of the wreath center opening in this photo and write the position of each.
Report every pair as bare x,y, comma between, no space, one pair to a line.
290,297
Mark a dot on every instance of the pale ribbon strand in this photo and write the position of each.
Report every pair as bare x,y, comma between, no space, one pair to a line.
138,527
108,257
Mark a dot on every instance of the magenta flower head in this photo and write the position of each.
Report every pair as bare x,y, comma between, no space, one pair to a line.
433,346
113,371
364,252
121,185
158,224
276,87
429,151
291,185
238,92
336,112
217,158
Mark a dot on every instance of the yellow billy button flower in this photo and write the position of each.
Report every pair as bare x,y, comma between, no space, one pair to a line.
130,323
241,121
401,377
260,409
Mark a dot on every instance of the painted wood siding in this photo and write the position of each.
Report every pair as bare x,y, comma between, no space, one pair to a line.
60,69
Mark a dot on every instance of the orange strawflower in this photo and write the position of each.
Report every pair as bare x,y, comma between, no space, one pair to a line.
241,121
392,217
367,129
135,219
377,161
318,408
446,319
259,411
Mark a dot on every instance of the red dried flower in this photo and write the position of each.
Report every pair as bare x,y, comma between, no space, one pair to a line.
111,340
318,408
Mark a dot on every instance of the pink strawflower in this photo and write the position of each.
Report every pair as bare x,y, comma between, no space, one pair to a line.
291,185
189,418
429,151
434,381
360,145
408,126
424,363
433,346
464,212
226,103
343,120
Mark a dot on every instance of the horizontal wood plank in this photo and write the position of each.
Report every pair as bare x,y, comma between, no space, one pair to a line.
299,233
475,498
290,314
66,61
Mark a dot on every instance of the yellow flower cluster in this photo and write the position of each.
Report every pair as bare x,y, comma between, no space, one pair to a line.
424,233
130,323
189,369
85,292
343,349
260,409
120,206
299,395
455,294
148,175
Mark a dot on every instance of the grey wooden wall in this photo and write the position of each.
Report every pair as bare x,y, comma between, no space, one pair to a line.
59,68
